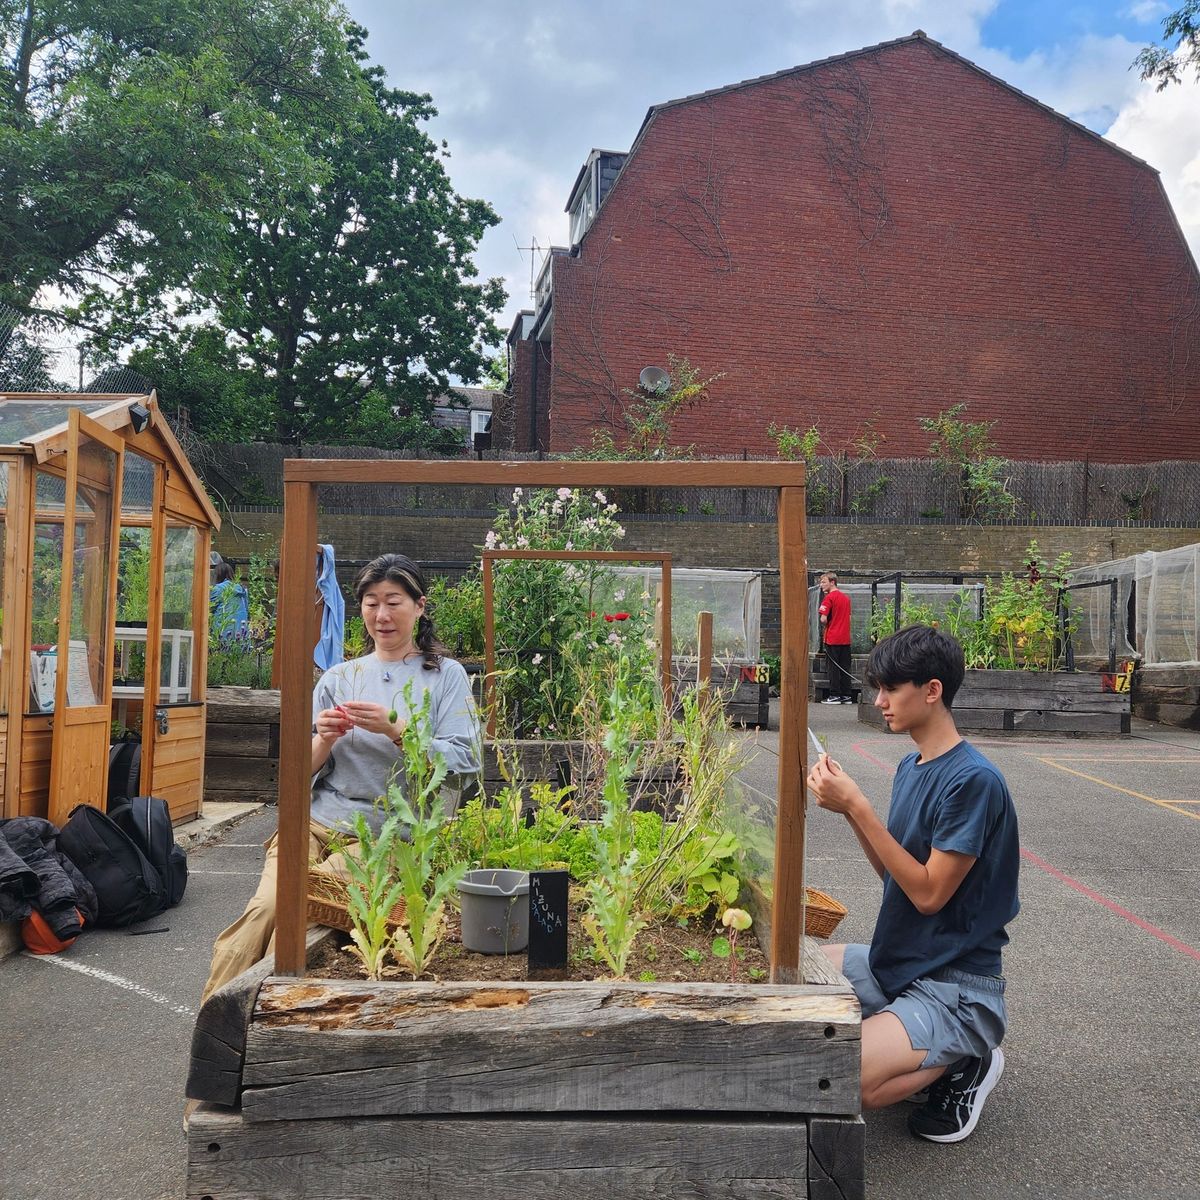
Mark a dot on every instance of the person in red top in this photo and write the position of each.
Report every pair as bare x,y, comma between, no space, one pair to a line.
835,624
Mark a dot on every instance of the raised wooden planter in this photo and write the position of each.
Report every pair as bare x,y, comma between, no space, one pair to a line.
1028,702
1168,694
241,751
604,1090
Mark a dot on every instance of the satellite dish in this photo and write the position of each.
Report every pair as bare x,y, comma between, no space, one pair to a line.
654,379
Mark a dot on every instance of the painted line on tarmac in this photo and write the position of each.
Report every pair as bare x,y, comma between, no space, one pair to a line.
858,749
247,874
1084,890
128,985
1089,758
1049,762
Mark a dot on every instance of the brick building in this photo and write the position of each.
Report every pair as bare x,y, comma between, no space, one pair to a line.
870,238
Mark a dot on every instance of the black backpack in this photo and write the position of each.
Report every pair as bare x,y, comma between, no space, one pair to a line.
128,887
147,820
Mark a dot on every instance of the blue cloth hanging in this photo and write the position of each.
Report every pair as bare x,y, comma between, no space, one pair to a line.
329,650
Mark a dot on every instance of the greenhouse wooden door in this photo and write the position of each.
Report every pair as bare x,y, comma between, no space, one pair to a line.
83,684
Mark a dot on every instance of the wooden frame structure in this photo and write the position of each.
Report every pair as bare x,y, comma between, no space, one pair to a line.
68,460
489,614
296,632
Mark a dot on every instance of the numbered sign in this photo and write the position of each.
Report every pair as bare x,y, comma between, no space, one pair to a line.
547,923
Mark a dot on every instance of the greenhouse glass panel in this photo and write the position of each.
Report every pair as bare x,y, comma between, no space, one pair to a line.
930,597
21,419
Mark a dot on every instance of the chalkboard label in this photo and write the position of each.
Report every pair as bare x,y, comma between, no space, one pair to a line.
547,921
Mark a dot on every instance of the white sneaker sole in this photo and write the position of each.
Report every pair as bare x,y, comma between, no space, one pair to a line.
988,1082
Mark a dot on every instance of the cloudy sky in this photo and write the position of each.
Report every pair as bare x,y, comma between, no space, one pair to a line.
525,90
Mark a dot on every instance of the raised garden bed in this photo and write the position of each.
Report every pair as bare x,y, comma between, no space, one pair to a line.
241,748
601,1089
1064,702
1170,694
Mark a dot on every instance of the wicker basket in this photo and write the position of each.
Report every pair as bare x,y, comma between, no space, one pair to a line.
328,903
821,913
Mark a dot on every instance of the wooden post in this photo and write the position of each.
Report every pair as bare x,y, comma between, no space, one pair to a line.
788,920
704,622
489,649
294,637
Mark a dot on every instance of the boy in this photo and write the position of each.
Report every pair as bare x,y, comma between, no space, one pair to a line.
930,985
834,615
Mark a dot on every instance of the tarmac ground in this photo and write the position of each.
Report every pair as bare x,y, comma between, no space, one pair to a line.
1098,1100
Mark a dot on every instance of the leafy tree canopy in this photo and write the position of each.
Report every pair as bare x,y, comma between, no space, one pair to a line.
1168,62
344,307
128,127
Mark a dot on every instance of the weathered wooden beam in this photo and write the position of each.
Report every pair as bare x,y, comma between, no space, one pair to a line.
546,1158
548,474
837,1150
219,1037
323,1048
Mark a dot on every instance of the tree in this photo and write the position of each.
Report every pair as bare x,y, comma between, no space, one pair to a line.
346,306
1167,63
127,129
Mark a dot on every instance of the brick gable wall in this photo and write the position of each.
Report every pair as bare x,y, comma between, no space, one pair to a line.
874,240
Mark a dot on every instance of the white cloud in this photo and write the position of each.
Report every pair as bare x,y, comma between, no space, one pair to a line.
1147,10
1161,127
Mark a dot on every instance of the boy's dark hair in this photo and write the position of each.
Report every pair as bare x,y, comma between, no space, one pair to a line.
918,654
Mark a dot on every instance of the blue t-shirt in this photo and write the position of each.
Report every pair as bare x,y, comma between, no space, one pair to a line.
957,802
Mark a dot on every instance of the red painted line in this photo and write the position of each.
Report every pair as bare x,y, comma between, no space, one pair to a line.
1081,888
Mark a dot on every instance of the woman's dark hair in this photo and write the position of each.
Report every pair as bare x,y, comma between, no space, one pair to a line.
224,573
399,568
917,655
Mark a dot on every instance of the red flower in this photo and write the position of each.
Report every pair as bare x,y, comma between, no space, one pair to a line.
609,617
621,617
592,614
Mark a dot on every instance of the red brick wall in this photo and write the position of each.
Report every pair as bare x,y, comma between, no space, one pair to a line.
517,434
876,240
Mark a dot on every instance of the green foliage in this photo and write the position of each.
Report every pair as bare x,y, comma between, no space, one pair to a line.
342,310
648,417
457,613
1020,627
246,661
1167,63
129,131
498,835
964,453
550,639
418,803
807,447
372,892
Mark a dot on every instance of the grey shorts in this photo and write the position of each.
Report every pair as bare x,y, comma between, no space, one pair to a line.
949,1014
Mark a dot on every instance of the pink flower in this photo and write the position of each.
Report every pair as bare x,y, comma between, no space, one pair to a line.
564,493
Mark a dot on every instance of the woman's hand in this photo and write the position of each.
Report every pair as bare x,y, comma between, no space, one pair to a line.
373,718
331,724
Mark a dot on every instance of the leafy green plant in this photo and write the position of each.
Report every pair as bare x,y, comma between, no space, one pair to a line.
372,892
457,612
418,803
964,452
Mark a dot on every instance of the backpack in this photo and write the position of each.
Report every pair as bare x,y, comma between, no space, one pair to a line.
128,887
147,820
124,769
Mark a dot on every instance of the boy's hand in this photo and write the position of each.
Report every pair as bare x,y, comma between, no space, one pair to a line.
832,787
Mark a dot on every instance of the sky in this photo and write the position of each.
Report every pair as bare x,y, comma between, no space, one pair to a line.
525,90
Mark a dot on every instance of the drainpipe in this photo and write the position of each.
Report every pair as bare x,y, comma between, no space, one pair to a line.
533,436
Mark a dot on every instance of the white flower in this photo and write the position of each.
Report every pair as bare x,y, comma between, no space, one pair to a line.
614,639
612,508
556,507
602,497
522,543
490,540
619,595
577,634
569,546
620,531
564,493
517,494
537,658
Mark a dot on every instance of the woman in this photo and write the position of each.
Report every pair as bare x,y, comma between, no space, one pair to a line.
228,605
355,748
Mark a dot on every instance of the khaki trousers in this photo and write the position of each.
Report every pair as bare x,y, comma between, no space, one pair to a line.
252,935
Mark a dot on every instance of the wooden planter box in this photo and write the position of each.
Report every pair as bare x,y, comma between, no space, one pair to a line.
1168,694
241,750
1028,702
539,1090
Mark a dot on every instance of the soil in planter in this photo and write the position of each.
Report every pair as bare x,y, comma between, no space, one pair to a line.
666,953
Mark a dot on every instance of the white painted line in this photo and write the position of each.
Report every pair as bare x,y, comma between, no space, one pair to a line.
116,980
247,874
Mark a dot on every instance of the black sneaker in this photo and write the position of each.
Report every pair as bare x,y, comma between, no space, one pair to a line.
956,1099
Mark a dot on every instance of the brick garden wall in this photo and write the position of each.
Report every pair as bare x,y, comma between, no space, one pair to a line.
876,239
847,548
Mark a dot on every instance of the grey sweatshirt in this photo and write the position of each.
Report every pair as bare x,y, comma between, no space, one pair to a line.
361,764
